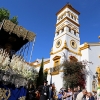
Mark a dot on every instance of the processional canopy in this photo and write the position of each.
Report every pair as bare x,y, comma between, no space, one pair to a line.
14,36
14,68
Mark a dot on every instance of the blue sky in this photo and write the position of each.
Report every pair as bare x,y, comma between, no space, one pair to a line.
39,16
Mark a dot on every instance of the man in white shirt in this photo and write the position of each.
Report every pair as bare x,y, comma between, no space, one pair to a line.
81,94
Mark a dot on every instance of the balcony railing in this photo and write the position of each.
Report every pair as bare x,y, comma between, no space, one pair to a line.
54,70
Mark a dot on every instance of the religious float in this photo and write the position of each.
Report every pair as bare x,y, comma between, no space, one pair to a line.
15,72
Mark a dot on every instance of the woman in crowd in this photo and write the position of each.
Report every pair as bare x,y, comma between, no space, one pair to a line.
64,97
79,89
95,95
37,97
30,92
87,96
75,93
69,94
60,95
91,97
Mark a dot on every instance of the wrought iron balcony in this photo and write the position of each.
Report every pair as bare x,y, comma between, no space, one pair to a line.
54,70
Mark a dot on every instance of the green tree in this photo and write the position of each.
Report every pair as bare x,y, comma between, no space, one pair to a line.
45,75
74,74
5,14
40,77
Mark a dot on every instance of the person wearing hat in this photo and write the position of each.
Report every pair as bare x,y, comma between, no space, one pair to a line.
44,91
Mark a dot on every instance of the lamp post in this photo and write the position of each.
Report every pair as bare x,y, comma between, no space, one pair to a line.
51,70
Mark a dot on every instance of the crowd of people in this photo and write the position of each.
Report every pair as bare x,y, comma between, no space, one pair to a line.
76,94
47,92
43,92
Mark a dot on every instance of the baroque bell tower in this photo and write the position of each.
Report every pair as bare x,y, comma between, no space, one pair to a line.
66,41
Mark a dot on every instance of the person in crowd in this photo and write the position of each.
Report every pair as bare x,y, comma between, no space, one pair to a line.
69,94
50,92
62,90
54,91
37,97
87,96
95,95
91,97
44,91
64,95
60,95
75,93
79,89
30,92
81,94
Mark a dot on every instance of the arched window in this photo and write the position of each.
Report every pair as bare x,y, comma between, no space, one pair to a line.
72,16
62,30
57,33
75,32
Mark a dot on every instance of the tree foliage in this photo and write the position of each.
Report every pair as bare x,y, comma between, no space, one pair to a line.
45,75
74,74
40,77
5,14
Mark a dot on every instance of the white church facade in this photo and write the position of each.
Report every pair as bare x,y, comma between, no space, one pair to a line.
67,43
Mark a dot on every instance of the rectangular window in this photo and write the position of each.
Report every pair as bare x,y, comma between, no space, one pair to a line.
72,17
69,29
56,63
75,33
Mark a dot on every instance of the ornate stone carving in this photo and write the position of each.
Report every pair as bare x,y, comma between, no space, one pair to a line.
3,94
22,98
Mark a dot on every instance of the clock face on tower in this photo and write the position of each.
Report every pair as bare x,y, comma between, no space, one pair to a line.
73,44
58,43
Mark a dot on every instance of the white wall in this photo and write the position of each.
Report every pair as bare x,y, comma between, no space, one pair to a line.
91,54
94,53
57,80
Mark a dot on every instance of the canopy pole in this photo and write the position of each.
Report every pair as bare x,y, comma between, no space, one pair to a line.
28,45
32,49
24,48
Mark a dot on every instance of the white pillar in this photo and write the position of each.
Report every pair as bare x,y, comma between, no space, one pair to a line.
88,84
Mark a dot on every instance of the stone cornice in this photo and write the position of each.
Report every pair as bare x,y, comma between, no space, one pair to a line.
66,18
56,57
38,65
65,47
85,46
68,6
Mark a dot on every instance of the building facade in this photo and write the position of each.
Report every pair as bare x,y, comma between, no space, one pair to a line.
67,43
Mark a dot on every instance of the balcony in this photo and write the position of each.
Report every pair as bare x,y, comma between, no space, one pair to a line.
54,70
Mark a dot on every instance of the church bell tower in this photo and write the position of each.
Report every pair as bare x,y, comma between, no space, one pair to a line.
66,41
